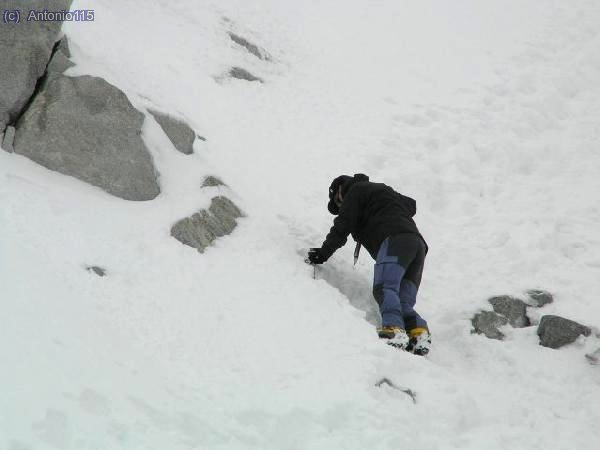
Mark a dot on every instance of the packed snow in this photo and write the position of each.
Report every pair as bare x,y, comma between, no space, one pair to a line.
486,112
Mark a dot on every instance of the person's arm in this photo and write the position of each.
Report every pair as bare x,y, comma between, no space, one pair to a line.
343,224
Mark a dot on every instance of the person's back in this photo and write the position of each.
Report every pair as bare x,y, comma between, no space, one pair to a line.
382,212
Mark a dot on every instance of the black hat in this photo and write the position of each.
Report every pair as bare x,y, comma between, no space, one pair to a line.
345,181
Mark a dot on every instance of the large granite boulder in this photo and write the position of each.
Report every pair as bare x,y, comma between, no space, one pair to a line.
202,228
514,309
555,331
488,323
179,132
25,48
87,128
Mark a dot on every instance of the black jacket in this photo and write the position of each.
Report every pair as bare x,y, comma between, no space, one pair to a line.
370,212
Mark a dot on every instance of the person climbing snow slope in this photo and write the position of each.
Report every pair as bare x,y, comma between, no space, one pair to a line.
380,219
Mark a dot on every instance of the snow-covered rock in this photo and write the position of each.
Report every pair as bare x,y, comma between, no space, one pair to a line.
25,48
514,309
242,74
555,331
254,49
87,128
538,298
203,227
180,133
594,357
211,181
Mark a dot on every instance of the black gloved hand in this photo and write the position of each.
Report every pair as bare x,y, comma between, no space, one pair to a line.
316,256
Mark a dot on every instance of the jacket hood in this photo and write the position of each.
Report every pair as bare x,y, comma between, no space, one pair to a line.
346,182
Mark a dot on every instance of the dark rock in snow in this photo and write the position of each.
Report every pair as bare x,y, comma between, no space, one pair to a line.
202,228
97,270
488,322
539,298
555,331
514,309
8,139
243,74
179,132
254,49
87,128
25,48
212,181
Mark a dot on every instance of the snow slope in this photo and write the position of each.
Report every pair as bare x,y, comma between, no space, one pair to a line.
484,111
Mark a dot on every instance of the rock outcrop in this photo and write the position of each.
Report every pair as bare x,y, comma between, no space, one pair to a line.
180,133
514,309
488,323
25,48
202,228
87,128
555,331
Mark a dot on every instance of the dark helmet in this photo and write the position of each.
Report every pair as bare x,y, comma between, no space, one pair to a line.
345,181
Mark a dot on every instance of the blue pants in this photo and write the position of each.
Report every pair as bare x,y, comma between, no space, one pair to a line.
398,271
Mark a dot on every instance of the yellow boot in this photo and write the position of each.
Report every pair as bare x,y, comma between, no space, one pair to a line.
396,336
419,341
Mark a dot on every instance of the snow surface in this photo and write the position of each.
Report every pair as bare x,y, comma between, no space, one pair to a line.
486,112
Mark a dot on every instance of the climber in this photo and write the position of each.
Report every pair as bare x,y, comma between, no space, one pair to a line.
380,219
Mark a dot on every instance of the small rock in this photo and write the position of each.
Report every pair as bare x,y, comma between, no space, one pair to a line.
488,322
97,270
254,49
8,140
539,298
180,133
514,309
212,181
555,331
594,357
243,74
202,228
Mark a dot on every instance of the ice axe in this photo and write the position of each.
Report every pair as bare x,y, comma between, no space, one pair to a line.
307,261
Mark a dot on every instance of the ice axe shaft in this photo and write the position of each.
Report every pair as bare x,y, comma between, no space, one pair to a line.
356,252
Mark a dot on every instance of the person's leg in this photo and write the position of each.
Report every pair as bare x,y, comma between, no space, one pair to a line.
395,254
409,287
